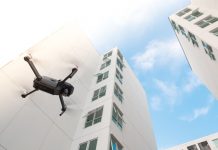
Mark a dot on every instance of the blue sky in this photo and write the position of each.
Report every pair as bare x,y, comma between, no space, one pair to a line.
181,107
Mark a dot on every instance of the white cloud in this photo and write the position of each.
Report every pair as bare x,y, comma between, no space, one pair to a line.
199,112
192,83
156,103
169,90
160,53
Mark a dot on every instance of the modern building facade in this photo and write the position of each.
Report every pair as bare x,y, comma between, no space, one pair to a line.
107,111
209,142
196,28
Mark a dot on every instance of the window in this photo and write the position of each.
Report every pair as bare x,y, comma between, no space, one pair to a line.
215,142
99,93
174,26
94,117
105,64
184,11
193,15
192,147
206,21
107,55
193,39
89,145
115,145
119,64
119,76
182,30
204,146
102,76
118,92
117,116
120,55
208,50
215,31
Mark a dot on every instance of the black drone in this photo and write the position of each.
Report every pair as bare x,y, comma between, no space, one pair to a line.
51,85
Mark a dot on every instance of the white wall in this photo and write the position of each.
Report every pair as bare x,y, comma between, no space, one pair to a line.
200,62
34,122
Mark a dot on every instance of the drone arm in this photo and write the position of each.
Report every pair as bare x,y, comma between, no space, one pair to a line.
25,95
32,66
74,70
62,104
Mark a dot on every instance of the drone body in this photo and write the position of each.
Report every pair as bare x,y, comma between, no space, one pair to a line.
51,85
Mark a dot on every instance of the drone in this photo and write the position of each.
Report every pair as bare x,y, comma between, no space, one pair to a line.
51,85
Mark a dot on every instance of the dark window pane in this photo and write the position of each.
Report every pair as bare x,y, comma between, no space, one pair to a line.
83,146
93,144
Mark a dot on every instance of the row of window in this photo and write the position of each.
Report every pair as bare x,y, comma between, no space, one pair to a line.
95,116
203,145
202,23
191,37
92,144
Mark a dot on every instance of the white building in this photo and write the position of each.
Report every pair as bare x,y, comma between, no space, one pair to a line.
196,28
209,142
107,111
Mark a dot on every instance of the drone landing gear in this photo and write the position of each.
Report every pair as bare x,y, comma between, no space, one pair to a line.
25,95
62,104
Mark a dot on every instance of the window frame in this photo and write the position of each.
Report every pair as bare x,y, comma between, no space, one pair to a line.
193,39
206,21
102,76
193,15
105,64
118,92
183,12
113,141
215,31
208,50
119,76
94,118
88,143
117,116
100,92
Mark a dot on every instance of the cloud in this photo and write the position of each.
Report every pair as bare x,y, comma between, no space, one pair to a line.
169,90
160,53
192,83
199,112
156,103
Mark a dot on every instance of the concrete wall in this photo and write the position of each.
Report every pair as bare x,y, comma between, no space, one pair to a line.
34,122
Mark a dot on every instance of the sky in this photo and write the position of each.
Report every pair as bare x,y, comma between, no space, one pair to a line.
181,107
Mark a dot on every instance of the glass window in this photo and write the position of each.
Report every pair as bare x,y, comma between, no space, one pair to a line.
105,64
195,14
182,31
215,142
184,11
120,55
174,26
206,21
107,55
204,146
83,146
119,76
99,93
94,117
193,39
208,50
118,92
215,31
102,76
117,116
89,145
192,147
119,64
115,145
